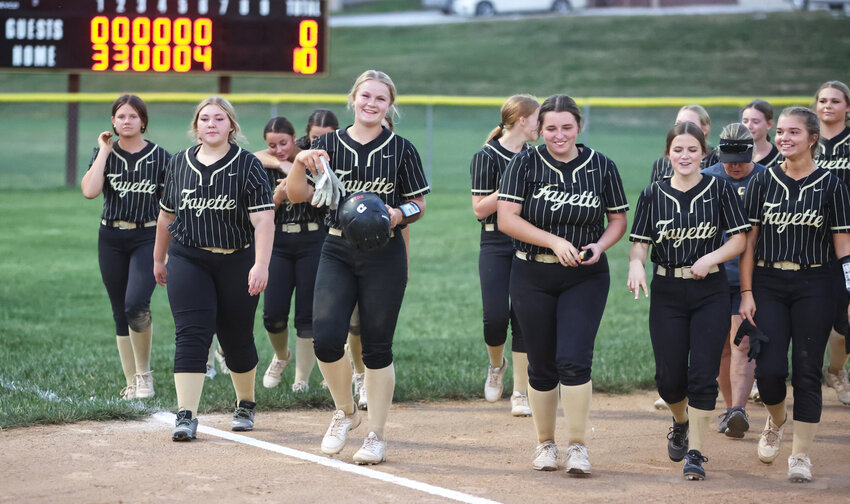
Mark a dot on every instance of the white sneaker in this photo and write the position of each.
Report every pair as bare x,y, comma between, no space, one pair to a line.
493,386
300,386
799,468
325,384
838,382
337,433
272,377
128,393
373,451
359,380
577,461
210,374
144,385
546,457
519,404
222,362
660,404
769,441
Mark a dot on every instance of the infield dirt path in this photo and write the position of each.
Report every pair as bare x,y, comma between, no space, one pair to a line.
474,447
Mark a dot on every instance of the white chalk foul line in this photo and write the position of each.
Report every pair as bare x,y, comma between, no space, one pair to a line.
169,418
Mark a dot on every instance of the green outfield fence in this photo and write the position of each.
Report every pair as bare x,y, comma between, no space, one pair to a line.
446,129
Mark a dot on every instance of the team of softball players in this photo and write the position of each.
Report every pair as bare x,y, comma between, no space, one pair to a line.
218,225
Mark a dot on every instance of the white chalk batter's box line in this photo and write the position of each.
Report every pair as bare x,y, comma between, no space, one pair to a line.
169,418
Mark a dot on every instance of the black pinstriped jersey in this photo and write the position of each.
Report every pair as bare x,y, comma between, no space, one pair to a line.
834,155
486,169
569,200
293,212
772,159
797,217
133,182
662,168
212,203
388,166
684,226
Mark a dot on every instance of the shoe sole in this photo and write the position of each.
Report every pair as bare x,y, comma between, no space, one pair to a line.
545,468
581,473
736,427
240,428
798,478
694,476
331,451
766,460
520,414
144,396
370,462
182,436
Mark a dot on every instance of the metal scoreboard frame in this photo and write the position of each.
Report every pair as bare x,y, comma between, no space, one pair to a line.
284,37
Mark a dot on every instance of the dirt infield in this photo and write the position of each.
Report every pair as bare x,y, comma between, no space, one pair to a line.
475,448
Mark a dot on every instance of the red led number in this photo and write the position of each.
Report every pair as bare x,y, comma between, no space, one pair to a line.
305,59
160,45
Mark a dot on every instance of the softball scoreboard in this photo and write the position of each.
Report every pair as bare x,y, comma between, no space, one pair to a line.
162,36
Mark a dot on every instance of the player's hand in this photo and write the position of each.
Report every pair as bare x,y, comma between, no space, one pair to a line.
396,216
104,141
566,253
279,195
596,253
700,268
311,159
747,308
258,278
159,272
637,279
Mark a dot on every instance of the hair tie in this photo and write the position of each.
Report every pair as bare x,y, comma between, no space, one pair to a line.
501,125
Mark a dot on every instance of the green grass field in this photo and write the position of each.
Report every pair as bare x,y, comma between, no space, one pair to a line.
60,362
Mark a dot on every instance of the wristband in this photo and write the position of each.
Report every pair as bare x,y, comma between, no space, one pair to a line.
845,267
410,209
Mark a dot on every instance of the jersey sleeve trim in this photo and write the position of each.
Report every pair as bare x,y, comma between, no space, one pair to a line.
840,229
162,206
482,192
258,208
639,238
510,197
618,209
740,229
423,191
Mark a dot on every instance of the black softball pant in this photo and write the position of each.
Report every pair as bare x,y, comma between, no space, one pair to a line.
126,266
796,308
688,325
559,310
293,265
208,293
494,271
376,280
842,299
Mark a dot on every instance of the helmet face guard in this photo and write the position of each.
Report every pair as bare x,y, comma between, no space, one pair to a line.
365,221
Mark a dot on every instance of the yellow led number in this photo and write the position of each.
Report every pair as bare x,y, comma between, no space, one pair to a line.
305,59
161,44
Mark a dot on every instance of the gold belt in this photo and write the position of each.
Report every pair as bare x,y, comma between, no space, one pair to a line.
489,227
297,227
217,250
541,258
683,272
785,265
338,232
120,224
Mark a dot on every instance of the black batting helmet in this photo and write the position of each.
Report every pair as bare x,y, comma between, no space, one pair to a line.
365,221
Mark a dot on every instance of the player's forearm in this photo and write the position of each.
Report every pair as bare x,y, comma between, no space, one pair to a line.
163,236
639,252
613,232
297,188
515,226
733,247
485,206
263,223
747,262
412,210
92,183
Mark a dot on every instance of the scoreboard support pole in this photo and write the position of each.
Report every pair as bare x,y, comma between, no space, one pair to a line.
72,130
224,84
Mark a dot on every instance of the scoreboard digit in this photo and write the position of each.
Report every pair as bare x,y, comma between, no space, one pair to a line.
162,36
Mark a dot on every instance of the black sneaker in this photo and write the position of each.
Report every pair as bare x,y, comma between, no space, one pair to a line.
677,441
243,416
724,418
737,422
185,427
693,465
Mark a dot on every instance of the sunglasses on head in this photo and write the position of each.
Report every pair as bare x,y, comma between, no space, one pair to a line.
734,148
